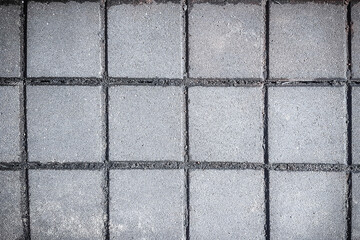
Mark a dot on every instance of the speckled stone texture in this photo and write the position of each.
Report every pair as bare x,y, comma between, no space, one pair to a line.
10,40
64,123
356,125
146,123
10,216
226,41
214,133
355,46
10,123
66,204
307,205
356,206
307,125
226,204
307,40
153,43
63,39
147,204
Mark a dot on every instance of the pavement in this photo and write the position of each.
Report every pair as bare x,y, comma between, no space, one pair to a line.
169,119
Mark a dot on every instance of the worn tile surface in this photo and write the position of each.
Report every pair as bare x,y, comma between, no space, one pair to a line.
146,123
307,40
147,204
226,204
214,135
10,40
66,204
152,46
10,215
226,41
307,125
307,205
64,124
63,39
10,124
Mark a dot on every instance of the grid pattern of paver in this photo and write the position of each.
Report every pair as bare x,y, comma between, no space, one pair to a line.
167,119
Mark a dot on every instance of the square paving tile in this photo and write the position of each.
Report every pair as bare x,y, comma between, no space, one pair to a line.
63,39
64,123
66,204
147,204
146,123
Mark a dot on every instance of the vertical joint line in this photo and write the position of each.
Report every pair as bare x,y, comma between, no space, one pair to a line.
186,112
24,177
349,123
265,120
105,106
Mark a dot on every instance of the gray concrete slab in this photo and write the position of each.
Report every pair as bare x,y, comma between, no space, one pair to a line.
145,40
226,41
307,40
10,40
355,125
307,205
226,124
64,123
66,204
10,215
226,204
146,123
307,125
147,204
356,206
63,39
355,40
10,124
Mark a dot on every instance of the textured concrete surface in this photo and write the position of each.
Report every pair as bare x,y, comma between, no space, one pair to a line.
10,216
214,135
226,204
355,47
307,205
147,204
356,125
307,124
226,41
146,123
356,206
307,41
66,204
10,124
9,40
63,39
64,123
153,44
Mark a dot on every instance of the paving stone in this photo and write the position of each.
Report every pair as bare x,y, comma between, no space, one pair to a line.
355,41
356,125
307,125
308,40
356,206
307,205
63,39
225,124
147,204
153,43
10,123
146,123
10,40
64,123
227,40
226,204
66,204
10,215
